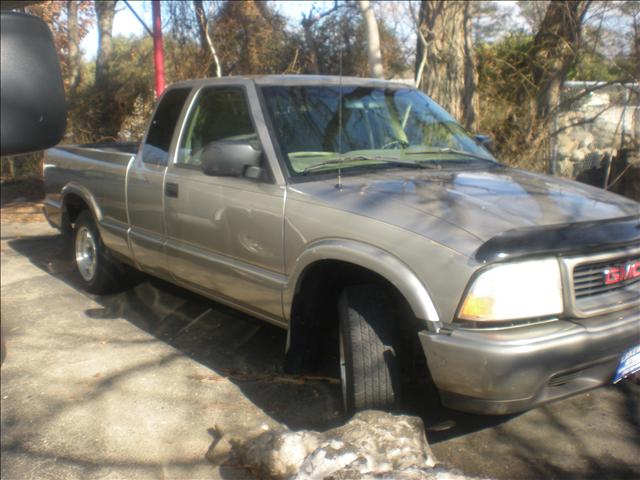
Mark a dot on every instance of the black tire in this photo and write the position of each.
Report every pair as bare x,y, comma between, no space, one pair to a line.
98,272
369,369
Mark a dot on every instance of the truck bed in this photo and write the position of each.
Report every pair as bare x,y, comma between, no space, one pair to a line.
99,167
109,152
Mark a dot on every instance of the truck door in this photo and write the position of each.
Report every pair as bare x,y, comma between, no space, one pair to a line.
145,183
224,234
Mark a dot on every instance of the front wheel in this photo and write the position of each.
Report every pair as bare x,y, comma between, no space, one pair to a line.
369,371
98,272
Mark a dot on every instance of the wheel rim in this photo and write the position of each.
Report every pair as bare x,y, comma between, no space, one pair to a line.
86,258
343,371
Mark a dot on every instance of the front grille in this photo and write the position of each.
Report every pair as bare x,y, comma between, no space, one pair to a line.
588,279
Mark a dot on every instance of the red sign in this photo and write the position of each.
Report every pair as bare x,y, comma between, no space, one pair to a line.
622,273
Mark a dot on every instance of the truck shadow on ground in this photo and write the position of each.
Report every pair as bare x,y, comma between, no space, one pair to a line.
250,353
247,351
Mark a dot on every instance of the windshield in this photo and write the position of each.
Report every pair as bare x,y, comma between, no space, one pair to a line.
375,127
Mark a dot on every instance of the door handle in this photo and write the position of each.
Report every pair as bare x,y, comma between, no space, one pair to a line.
171,189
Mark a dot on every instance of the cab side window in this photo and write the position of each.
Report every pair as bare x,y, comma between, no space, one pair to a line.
163,124
219,113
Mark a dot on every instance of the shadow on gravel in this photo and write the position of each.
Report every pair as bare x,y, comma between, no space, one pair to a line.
249,353
246,351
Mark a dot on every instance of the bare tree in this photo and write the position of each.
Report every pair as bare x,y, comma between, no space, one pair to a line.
106,124
492,21
308,21
631,10
445,67
75,58
555,50
105,12
205,38
373,39
254,38
533,12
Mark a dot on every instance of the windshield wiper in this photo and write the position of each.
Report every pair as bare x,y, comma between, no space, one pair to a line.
448,150
362,158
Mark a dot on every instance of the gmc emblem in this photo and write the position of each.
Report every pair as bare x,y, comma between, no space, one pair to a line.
621,273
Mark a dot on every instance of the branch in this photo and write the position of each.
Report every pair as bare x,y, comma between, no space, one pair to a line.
309,20
423,60
611,184
581,122
293,62
585,92
205,26
517,71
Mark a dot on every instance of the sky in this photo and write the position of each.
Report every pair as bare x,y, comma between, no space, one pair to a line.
125,23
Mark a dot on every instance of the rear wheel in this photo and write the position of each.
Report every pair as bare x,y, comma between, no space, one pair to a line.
99,273
369,370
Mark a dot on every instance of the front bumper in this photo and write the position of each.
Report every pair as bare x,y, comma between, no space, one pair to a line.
510,370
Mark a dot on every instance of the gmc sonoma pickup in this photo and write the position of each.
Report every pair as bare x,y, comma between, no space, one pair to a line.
358,215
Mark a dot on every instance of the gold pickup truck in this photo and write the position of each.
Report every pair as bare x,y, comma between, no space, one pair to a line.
358,215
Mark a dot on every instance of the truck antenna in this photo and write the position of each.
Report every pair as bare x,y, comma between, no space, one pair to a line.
339,184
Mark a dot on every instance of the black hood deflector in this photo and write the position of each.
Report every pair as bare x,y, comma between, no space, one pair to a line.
570,238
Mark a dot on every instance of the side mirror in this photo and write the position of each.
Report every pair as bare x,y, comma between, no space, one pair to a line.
485,140
231,159
33,105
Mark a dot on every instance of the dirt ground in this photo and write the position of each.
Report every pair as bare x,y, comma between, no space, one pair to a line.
141,384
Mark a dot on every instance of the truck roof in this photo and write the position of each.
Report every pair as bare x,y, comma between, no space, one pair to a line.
296,80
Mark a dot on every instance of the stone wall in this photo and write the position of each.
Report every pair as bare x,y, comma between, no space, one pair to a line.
600,128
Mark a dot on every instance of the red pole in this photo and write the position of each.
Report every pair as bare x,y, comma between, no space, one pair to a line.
158,48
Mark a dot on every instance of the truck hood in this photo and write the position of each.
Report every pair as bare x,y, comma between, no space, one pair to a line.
464,208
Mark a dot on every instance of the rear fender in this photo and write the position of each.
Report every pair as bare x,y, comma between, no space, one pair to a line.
87,197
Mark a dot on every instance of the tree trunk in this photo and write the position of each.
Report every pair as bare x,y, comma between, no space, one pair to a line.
445,67
373,39
555,50
636,45
74,47
311,45
106,124
201,18
105,11
205,38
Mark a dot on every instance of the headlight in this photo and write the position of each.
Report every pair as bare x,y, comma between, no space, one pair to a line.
512,291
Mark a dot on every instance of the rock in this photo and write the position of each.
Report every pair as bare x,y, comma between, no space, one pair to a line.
372,445
273,453
602,141
565,168
579,154
566,146
593,159
586,141
633,159
381,442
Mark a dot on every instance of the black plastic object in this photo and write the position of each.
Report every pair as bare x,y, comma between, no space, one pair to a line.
227,158
485,140
565,239
33,105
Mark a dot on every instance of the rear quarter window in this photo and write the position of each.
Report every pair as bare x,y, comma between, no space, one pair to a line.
163,124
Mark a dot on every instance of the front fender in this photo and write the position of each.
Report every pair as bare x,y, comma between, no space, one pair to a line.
365,256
